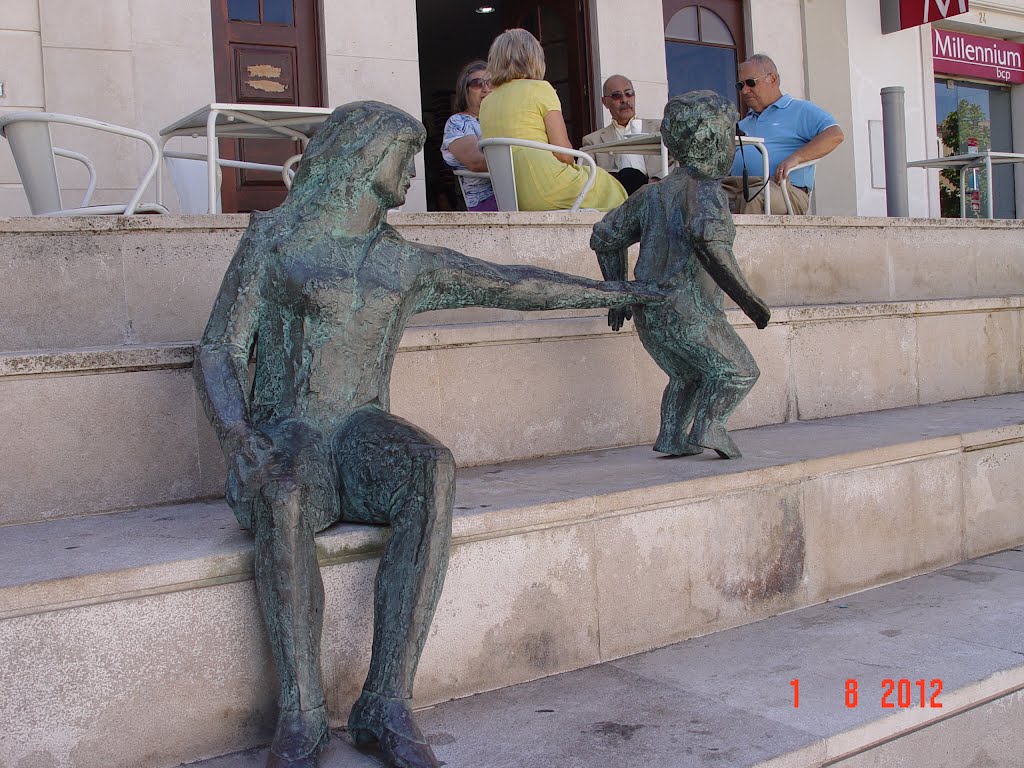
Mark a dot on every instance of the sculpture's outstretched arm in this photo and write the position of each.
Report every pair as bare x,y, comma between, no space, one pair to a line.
718,259
462,281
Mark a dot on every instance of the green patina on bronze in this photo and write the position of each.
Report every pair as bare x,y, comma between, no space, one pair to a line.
686,234
319,293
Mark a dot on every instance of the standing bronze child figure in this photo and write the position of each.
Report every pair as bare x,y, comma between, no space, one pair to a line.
320,290
686,233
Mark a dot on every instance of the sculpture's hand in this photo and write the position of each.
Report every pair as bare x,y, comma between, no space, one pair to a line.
757,311
636,293
254,462
646,293
618,316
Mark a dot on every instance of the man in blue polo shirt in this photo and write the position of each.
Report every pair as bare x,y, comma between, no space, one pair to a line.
794,131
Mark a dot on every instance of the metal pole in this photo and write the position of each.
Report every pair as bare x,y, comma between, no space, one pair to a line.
894,142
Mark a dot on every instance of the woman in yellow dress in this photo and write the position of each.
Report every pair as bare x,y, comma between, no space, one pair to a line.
524,106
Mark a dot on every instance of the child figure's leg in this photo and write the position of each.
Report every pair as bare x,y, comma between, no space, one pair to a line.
729,375
664,337
710,371
716,401
678,405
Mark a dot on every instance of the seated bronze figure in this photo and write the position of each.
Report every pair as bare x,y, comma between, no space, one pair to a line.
318,294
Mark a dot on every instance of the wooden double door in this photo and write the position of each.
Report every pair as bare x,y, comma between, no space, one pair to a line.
265,52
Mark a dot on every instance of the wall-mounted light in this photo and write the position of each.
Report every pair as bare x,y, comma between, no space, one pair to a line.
485,9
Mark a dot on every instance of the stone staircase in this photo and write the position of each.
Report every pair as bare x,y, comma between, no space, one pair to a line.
730,698
883,441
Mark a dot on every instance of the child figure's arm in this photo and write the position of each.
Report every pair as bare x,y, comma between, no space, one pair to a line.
718,259
610,240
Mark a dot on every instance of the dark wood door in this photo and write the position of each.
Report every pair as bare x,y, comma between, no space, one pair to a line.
562,28
264,52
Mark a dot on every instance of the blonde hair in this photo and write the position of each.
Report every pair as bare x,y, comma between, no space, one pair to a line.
515,54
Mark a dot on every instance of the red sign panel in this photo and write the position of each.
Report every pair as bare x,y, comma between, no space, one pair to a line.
904,14
914,13
955,53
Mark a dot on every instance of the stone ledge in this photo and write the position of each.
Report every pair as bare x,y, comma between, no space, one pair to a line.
147,551
557,565
726,699
46,225
97,360
209,222
136,283
166,355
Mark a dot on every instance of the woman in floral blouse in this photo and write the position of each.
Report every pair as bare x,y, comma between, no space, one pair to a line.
461,133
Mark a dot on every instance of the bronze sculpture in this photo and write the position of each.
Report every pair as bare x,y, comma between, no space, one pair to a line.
320,290
686,233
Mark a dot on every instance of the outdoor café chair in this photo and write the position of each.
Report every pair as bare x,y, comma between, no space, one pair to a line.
29,136
501,165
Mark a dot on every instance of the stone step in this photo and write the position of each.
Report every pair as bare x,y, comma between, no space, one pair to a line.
133,639
152,279
728,699
97,430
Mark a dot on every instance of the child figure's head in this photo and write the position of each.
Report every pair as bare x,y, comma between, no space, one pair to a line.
698,129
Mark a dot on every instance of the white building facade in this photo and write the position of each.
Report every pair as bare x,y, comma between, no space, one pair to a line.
146,63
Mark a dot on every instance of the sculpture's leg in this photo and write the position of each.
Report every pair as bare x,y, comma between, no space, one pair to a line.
717,400
678,405
394,472
730,373
301,500
661,332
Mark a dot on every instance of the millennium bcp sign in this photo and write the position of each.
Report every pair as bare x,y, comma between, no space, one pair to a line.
954,53
904,14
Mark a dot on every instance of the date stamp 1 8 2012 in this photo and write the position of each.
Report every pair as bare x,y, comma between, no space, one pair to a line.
895,694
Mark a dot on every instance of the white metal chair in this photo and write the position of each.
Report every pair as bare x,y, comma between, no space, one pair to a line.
29,136
501,165
785,185
469,175
288,170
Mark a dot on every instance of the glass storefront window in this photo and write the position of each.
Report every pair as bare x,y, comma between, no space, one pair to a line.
973,117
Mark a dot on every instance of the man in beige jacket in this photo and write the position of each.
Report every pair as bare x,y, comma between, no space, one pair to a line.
632,171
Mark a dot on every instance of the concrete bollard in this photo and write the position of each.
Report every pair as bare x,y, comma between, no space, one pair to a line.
894,142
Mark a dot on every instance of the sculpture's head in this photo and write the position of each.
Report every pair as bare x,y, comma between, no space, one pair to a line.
698,129
364,146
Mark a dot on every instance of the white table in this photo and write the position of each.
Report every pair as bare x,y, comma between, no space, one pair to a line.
984,160
651,144
239,121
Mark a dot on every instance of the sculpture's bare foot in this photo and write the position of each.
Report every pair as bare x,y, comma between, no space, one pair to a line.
390,723
718,440
299,739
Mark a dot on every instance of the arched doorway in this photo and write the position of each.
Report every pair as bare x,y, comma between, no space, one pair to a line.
704,43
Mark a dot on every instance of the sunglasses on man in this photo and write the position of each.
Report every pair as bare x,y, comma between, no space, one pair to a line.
750,82
629,93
